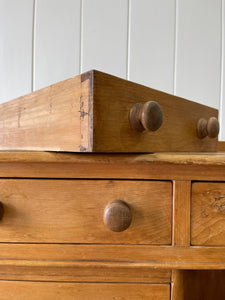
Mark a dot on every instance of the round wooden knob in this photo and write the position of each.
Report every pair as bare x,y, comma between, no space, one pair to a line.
208,128
213,127
117,216
1,210
147,116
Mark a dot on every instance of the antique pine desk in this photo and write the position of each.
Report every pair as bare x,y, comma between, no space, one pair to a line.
54,244
108,225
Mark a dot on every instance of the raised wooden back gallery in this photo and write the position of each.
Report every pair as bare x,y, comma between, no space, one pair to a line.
97,112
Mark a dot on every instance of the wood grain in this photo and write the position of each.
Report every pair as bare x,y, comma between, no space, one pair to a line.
89,113
71,211
112,171
181,213
108,256
66,290
113,99
162,166
208,214
53,118
82,272
172,158
117,216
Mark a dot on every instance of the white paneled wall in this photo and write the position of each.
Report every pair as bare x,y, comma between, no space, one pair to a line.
173,45
56,41
198,52
16,52
104,36
151,55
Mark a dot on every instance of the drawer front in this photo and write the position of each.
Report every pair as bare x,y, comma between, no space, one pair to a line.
208,214
89,113
82,291
72,211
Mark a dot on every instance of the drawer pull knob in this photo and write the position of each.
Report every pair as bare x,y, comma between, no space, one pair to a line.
147,116
1,210
117,216
208,128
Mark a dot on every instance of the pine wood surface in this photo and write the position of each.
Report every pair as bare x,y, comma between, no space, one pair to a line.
51,116
208,214
82,272
82,291
89,113
157,166
181,213
113,98
197,209
135,256
71,211
173,158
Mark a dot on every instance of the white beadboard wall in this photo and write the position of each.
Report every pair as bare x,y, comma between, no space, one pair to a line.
176,46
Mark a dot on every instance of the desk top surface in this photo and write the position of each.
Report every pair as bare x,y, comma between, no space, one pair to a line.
203,158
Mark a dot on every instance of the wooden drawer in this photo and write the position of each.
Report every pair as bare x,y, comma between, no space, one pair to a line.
208,214
82,291
96,112
71,211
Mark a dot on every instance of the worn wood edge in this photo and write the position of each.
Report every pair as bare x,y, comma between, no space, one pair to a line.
185,158
174,158
81,141
86,106
98,73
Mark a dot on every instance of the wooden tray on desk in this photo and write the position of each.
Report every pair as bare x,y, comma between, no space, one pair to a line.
90,113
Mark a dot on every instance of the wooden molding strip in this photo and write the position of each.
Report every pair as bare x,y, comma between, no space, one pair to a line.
163,257
109,170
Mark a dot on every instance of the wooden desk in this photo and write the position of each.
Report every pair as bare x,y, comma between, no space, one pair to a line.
55,245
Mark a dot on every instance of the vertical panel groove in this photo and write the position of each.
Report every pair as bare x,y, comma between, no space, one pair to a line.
175,46
222,102
33,47
81,37
128,38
